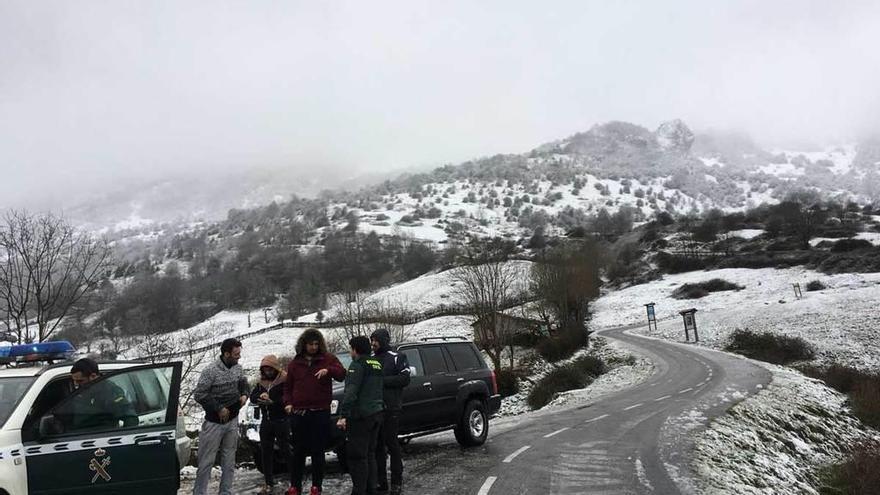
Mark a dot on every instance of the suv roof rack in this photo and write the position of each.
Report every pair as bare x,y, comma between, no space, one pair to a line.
444,337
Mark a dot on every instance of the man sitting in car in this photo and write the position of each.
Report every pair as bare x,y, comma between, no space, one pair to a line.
102,405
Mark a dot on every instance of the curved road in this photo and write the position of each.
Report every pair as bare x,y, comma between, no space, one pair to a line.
636,441
631,442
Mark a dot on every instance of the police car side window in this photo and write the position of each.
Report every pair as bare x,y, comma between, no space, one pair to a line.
117,402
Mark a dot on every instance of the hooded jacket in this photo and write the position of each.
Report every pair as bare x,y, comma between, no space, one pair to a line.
302,389
274,410
395,370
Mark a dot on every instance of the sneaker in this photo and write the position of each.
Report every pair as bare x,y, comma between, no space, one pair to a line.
395,490
315,491
292,491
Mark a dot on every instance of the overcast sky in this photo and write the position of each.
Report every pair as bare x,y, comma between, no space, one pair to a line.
101,92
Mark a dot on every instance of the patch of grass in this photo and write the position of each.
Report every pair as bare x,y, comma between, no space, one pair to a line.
769,347
703,289
814,285
574,375
863,389
858,475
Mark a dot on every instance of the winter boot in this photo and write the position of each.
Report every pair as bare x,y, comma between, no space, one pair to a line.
315,491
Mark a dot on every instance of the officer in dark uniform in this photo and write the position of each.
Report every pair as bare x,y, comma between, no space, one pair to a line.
395,369
100,405
361,415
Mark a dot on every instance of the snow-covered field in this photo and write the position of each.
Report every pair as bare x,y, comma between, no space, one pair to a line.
839,321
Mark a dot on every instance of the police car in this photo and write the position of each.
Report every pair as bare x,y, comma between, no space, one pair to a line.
45,447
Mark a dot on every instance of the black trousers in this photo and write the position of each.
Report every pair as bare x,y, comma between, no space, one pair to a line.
360,450
389,445
272,432
311,435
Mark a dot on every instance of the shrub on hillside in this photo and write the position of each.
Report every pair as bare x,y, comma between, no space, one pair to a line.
574,375
563,345
770,347
858,475
846,245
863,389
507,383
815,285
703,289
670,263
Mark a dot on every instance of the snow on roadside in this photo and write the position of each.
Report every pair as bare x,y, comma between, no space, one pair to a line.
621,375
839,321
773,442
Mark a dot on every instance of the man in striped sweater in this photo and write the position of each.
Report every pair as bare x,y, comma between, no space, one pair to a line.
222,391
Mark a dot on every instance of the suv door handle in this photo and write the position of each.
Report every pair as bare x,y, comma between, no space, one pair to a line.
427,384
459,379
146,442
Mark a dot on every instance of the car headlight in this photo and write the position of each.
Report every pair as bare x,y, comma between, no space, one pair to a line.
334,405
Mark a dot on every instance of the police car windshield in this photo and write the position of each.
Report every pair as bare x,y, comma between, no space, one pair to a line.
11,391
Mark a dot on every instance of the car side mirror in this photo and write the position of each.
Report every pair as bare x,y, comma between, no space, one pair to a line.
49,426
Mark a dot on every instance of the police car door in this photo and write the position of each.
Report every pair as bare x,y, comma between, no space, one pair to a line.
115,435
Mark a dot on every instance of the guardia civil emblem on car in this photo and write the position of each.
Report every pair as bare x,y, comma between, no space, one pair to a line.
100,467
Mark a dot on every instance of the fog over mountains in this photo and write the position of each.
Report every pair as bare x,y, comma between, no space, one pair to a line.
673,168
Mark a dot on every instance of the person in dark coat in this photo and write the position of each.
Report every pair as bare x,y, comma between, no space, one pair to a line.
308,392
268,395
396,376
361,415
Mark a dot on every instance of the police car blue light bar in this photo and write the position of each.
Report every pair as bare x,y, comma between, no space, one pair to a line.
43,351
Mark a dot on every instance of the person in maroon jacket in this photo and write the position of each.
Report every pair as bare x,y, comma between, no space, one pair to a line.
307,395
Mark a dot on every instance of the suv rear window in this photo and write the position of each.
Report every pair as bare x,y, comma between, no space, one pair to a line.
432,358
464,357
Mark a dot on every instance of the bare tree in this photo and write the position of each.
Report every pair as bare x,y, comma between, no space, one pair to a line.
357,313
186,346
567,279
484,285
47,266
351,311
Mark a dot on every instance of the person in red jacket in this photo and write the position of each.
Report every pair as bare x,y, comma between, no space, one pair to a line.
307,395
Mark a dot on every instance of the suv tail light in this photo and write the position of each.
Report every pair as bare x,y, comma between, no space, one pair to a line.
494,383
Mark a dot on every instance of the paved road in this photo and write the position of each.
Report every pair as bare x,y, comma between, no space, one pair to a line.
636,441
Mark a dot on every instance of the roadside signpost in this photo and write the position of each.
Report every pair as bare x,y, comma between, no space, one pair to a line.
690,323
652,317
797,291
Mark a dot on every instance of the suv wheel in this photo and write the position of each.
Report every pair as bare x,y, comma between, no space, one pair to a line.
473,426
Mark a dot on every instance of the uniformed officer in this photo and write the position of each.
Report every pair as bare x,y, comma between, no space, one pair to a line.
101,404
361,415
